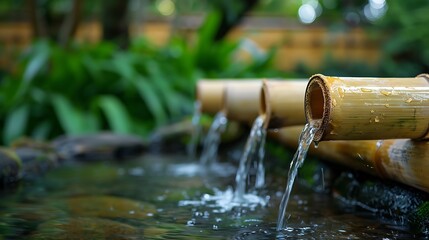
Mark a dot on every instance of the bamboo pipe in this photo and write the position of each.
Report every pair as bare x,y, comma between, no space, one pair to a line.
368,108
402,160
282,103
241,100
210,93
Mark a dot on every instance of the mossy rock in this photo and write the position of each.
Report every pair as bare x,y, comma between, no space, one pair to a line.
420,218
108,207
389,200
86,228
27,217
36,162
10,167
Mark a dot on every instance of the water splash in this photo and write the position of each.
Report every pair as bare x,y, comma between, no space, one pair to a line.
255,141
305,140
224,201
212,140
196,131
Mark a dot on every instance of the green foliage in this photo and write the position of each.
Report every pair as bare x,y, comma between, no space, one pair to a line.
89,88
406,52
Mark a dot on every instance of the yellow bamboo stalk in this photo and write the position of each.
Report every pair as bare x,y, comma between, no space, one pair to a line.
282,103
402,160
368,108
241,100
210,93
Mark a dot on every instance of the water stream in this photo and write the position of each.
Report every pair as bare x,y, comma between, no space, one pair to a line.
305,140
255,142
212,140
260,171
196,131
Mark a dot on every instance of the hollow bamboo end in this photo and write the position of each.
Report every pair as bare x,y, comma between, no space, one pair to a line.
424,75
264,107
198,91
224,100
317,104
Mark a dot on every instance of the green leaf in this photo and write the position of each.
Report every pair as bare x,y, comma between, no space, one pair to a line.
123,64
37,61
41,131
165,93
15,123
70,119
116,114
149,96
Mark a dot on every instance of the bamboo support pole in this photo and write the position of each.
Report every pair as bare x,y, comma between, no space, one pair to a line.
402,160
368,108
282,103
241,100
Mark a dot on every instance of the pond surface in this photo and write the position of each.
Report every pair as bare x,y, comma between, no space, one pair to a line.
163,197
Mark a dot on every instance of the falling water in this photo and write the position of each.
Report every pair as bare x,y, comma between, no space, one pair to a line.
212,140
256,140
260,171
196,131
304,142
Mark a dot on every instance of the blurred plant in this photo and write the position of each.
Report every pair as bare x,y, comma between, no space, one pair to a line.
406,52
88,88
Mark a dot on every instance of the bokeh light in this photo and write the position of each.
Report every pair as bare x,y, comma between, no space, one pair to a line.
307,13
166,7
375,9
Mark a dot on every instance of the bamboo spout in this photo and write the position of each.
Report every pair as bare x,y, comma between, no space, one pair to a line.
241,100
368,108
282,103
210,95
210,92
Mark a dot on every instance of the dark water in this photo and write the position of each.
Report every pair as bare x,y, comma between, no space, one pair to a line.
163,197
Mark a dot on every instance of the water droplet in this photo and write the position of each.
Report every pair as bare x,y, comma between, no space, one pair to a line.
386,93
365,90
341,92
190,223
409,100
215,227
316,144
376,119
132,212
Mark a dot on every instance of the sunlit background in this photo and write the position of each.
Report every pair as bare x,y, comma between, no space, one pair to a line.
134,63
